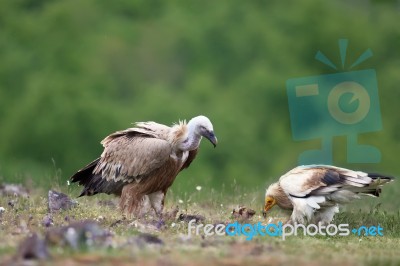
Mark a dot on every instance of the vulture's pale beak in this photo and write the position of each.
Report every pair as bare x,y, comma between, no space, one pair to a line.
212,138
269,203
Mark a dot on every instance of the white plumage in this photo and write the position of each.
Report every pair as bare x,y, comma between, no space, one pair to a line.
314,192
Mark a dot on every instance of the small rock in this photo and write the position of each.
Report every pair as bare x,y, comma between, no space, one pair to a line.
2,210
150,239
33,247
243,213
60,201
188,217
77,234
145,239
47,221
13,190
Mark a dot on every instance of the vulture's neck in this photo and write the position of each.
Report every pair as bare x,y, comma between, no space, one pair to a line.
282,200
192,140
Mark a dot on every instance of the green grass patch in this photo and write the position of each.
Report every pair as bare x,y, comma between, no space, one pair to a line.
24,216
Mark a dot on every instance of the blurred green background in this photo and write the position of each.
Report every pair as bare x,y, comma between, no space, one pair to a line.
71,72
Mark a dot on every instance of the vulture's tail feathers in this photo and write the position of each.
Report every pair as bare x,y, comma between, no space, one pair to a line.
94,183
84,174
381,178
374,189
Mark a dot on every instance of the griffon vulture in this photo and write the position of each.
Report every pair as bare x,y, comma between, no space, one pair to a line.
139,164
314,192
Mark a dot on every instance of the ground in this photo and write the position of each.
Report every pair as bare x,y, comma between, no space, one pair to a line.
112,239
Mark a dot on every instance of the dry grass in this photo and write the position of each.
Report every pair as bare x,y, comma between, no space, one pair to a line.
24,216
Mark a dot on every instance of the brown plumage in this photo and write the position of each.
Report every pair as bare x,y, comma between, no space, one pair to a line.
139,164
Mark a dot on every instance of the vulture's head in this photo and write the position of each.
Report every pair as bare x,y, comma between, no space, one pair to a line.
203,127
276,196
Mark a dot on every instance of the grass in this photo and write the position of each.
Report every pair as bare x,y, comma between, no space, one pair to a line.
26,216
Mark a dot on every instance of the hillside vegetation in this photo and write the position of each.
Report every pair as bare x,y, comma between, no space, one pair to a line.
72,72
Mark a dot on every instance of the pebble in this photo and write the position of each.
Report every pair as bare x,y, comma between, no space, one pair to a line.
60,201
33,247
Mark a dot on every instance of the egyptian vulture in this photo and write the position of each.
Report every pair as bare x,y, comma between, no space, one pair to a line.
139,164
314,192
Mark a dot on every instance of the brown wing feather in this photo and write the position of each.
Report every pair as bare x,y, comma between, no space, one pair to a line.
131,156
150,129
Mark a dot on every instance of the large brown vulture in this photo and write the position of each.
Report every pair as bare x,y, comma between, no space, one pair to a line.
139,164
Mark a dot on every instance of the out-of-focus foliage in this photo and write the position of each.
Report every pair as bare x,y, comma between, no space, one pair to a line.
72,72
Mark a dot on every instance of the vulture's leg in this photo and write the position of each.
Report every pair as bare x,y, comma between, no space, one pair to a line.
144,206
325,215
302,212
157,202
297,217
133,202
